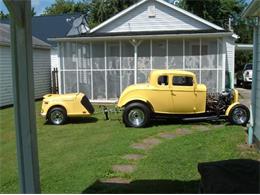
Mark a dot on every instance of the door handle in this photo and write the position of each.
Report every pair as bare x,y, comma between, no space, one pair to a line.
173,93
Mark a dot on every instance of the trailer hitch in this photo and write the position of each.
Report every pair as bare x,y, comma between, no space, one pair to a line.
106,111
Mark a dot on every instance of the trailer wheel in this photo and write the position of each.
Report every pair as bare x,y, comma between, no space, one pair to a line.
57,116
136,115
239,115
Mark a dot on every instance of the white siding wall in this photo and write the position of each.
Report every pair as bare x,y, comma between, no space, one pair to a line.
41,65
165,19
230,58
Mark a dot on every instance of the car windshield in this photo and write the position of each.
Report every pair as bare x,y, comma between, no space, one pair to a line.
248,67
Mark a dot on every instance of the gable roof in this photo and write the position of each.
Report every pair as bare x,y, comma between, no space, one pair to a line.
124,12
5,38
44,27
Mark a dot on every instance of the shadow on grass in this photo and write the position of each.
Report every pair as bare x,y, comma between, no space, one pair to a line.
159,122
145,187
78,120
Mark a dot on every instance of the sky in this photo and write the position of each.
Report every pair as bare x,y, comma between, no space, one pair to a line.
40,5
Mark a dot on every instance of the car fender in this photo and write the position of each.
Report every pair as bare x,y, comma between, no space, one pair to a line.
230,107
125,101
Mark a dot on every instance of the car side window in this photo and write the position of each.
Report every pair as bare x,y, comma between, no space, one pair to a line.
163,80
182,81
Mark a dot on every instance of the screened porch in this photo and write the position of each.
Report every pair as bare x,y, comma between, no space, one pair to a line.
103,69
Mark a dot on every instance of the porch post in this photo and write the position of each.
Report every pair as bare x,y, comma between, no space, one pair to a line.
23,89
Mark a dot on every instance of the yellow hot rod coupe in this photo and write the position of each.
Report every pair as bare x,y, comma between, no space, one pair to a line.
175,93
57,107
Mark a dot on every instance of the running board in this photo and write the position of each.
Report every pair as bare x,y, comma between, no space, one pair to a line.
201,118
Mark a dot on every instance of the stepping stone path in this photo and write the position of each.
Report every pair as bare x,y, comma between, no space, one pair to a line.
183,131
123,168
201,127
117,180
133,157
146,144
167,135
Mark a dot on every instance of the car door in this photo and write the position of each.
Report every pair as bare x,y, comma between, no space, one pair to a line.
183,95
160,95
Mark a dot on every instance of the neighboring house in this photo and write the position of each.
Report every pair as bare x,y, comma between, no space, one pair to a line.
152,34
44,27
41,67
253,11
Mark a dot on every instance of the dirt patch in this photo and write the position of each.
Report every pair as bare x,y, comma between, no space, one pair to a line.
118,180
218,126
123,168
167,135
183,131
133,157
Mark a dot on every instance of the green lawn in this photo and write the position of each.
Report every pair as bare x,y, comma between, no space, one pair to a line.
74,157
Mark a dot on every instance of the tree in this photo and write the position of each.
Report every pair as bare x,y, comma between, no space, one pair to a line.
3,15
67,7
101,10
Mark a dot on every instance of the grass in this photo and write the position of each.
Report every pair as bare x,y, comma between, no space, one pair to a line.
74,156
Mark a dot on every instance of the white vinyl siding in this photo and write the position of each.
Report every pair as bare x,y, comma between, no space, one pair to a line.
41,71
165,19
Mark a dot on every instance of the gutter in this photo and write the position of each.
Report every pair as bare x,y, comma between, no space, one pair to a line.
223,34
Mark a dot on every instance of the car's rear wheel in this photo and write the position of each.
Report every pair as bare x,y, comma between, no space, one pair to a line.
136,115
57,116
239,115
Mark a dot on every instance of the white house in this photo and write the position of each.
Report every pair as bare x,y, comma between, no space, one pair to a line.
152,34
41,67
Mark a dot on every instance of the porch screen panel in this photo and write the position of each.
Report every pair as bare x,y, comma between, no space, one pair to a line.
99,89
142,76
209,54
112,50
159,54
220,77
175,53
128,61
209,78
192,54
85,83
98,55
127,78
220,54
70,81
70,56
113,84
144,55
83,56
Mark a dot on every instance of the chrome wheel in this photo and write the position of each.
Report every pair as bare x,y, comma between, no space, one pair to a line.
239,115
57,117
136,117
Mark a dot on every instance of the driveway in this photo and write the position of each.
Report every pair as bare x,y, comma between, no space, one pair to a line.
244,96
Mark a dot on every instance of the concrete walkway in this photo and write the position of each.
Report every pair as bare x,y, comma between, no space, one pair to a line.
244,96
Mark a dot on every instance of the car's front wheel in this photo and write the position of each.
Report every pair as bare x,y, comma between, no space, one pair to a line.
57,116
239,115
136,115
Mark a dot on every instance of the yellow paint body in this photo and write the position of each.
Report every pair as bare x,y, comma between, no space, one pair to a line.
70,102
233,103
167,99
